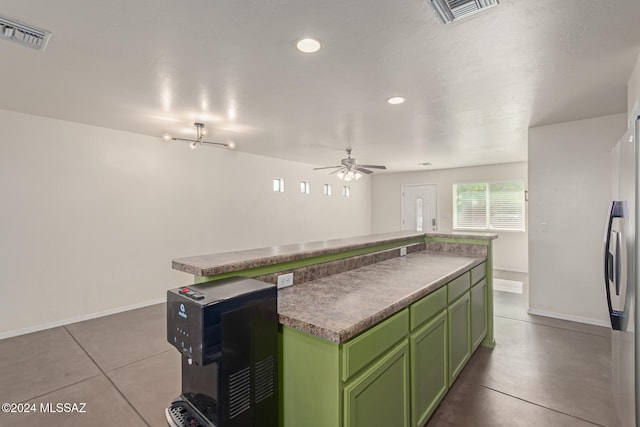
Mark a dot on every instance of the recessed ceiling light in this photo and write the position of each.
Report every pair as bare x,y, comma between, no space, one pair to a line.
395,100
308,45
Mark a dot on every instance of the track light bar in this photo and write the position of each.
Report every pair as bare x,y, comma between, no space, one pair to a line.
200,132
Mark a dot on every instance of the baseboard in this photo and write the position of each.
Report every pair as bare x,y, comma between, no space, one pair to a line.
569,317
84,317
512,270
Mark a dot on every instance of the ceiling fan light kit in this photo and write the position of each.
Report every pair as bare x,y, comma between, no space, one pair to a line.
349,175
200,133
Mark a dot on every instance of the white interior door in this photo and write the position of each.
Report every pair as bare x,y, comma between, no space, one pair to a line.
419,207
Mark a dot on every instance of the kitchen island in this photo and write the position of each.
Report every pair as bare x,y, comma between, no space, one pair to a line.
339,307
370,337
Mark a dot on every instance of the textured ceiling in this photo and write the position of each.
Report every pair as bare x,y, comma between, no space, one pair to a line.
472,88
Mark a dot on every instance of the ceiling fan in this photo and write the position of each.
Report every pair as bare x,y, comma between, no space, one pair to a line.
349,169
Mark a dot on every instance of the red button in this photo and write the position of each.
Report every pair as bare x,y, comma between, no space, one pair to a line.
185,289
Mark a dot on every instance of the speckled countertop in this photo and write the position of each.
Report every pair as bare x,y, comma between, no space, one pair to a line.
210,265
340,306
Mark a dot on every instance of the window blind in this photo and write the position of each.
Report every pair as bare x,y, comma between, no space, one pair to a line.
489,206
470,206
506,206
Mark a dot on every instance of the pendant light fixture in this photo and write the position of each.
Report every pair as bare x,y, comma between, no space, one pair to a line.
200,133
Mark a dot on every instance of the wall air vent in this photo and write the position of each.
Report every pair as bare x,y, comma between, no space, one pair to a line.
23,34
453,10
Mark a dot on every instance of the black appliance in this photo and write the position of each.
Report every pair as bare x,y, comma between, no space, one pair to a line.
227,333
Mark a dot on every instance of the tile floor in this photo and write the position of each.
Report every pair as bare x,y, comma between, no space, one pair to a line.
541,372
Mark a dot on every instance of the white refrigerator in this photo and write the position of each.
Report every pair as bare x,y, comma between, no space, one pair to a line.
621,277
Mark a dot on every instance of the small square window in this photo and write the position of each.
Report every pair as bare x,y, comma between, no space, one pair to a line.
304,187
346,191
327,189
278,185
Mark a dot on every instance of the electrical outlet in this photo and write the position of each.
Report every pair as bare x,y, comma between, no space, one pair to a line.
285,280
544,227
403,251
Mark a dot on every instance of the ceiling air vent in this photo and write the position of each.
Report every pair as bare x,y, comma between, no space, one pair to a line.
452,10
23,34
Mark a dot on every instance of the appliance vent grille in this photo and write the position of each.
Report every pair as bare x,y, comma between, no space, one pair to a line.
453,10
264,378
25,35
239,392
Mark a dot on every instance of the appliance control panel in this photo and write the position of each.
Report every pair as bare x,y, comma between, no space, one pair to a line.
184,330
190,293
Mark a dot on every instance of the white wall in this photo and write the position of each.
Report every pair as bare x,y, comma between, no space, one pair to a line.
633,87
91,218
386,204
569,189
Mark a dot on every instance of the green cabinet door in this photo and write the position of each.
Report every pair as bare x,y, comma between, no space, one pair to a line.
459,335
429,375
380,395
478,313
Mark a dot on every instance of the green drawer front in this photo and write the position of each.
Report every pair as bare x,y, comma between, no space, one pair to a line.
427,307
366,347
478,273
459,286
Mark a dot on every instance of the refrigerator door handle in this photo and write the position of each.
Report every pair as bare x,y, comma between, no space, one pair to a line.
612,264
608,261
617,264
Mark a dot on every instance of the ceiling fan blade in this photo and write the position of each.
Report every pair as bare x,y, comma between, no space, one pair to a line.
373,166
363,170
327,167
338,170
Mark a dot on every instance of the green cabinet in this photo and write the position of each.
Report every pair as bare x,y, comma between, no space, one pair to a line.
429,375
380,395
396,372
325,384
478,313
459,316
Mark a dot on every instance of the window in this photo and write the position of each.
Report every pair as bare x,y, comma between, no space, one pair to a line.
304,187
278,185
489,206
346,191
327,189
